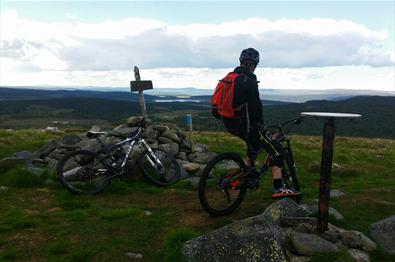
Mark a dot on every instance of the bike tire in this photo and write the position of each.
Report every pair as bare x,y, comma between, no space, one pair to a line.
289,175
78,168
232,165
171,170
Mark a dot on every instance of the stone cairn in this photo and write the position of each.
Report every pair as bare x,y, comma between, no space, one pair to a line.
285,231
167,137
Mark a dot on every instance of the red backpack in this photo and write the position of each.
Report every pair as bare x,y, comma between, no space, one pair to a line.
222,99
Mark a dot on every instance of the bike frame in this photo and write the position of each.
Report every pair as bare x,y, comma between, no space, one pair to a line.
283,134
132,141
282,138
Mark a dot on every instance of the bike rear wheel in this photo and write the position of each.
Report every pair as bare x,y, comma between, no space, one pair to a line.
289,177
80,172
222,184
165,174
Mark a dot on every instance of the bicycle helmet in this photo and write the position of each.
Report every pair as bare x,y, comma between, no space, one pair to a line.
249,54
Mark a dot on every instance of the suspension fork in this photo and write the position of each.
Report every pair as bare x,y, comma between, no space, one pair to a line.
151,153
290,152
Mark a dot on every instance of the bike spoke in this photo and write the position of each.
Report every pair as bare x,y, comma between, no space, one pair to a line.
219,190
227,196
159,167
83,173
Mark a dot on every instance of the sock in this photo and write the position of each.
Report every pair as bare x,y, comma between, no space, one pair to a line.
277,183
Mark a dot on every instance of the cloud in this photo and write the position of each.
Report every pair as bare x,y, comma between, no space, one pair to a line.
315,78
119,45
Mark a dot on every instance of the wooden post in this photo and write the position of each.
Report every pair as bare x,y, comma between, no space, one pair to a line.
141,95
326,162
326,169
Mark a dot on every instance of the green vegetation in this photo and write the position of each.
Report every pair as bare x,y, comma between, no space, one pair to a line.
39,220
377,121
83,112
343,255
21,177
30,140
174,241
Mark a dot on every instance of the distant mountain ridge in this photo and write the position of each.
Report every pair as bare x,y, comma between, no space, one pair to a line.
377,112
14,94
33,94
283,95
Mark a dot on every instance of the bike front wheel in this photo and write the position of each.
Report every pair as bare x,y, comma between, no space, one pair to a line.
159,167
289,177
222,184
81,172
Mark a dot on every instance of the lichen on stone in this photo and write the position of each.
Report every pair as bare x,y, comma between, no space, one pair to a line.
251,252
275,252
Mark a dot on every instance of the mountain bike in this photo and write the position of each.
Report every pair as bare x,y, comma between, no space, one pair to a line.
223,183
86,172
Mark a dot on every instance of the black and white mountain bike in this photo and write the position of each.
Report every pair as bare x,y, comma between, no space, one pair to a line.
89,173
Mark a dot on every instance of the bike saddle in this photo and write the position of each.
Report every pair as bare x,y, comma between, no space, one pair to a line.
93,134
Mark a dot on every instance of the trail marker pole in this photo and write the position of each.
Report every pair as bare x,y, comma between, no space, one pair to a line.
189,124
326,163
140,86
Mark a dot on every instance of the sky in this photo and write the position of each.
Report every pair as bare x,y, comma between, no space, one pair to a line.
303,44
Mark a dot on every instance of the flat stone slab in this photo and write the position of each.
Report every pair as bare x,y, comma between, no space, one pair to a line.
309,244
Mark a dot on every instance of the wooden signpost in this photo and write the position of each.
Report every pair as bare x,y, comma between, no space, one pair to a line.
140,86
326,163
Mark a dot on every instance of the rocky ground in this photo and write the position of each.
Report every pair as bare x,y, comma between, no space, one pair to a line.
191,158
285,231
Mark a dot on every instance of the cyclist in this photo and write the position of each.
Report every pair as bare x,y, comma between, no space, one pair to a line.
248,125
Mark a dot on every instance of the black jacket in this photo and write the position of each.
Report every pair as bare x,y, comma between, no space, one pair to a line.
246,90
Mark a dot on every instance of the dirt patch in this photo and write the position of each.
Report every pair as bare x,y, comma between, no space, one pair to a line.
31,211
40,199
31,239
193,215
54,209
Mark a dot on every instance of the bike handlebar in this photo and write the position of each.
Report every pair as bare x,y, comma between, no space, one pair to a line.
292,122
141,125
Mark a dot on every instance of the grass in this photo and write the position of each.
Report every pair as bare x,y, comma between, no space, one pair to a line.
174,241
43,221
20,140
343,255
